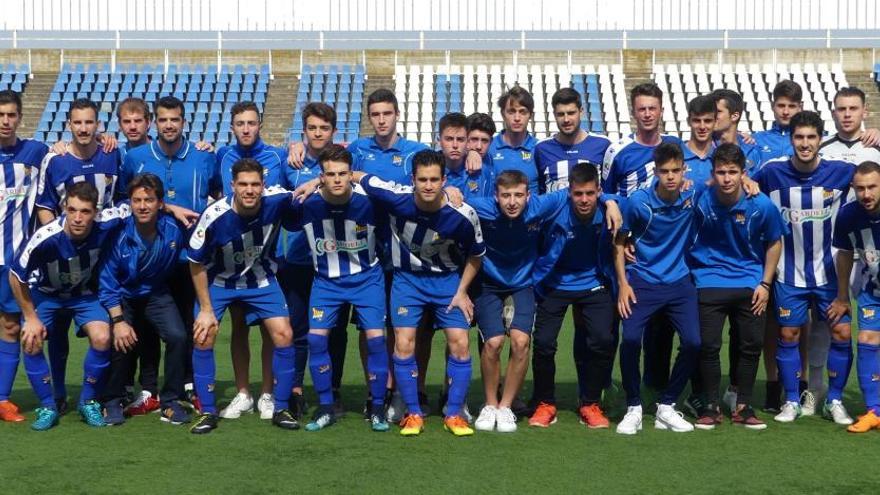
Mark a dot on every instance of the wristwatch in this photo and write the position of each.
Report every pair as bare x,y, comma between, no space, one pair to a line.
117,319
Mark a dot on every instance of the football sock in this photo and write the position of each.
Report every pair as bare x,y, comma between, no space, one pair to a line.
94,365
283,361
839,364
868,370
37,369
204,373
406,372
9,356
321,368
59,348
377,369
458,371
788,359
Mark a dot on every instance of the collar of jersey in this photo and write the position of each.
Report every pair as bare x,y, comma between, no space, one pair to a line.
598,217
779,129
397,146
159,154
253,151
528,144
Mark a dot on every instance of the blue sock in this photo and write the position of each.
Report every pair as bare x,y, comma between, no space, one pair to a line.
94,366
459,374
406,373
377,369
38,374
788,359
283,359
301,360
9,355
868,367
839,364
204,373
321,368
59,348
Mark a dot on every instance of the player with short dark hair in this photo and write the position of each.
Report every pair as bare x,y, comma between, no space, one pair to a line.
514,147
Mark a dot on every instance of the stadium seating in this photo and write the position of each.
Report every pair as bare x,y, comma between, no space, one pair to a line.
208,94
14,77
340,86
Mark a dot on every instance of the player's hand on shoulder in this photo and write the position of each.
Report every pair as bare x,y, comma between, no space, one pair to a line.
108,142
185,216
296,154
205,146
473,162
613,216
454,196
871,137
747,137
304,190
750,187
60,148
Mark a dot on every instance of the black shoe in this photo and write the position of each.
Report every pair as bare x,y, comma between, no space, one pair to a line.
284,419
62,406
298,406
695,406
520,409
338,408
173,413
773,399
113,412
368,409
205,423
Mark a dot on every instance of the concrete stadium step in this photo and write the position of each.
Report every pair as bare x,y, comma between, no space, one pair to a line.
865,82
280,105
34,99
372,84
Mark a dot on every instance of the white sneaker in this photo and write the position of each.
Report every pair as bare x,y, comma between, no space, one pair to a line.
266,406
668,418
396,409
835,411
241,403
631,422
729,399
808,403
486,420
506,420
790,411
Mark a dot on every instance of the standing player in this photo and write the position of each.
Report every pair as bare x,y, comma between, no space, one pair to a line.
808,190
776,141
514,147
231,255
20,161
453,140
660,220
698,148
65,254
729,108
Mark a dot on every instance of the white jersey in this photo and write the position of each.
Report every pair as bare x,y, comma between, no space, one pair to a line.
836,148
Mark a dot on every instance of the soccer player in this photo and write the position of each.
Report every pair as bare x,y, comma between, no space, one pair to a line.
65,255
340,225
134,117
574,269
556,155
698,148
481,129
733,261
808,190
729,107
453,141
20,161
660,220
133,289
857,229
232,259
776,141
246,125
514,147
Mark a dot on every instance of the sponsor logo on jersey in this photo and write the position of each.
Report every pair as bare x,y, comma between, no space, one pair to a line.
795,217
211,387
317,314
358,228
12,194
784,313
172,245
498,156
248,255
323,246
533,227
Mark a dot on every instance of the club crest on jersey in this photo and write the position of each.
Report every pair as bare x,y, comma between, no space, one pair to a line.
396,160
402,311
472,185
317,314
526,156
687,204
740,218
827,193
868,313
784,313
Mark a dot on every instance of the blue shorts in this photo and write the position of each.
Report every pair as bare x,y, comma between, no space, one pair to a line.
869,312
489,309
8,305
793,303
364,291
56,312
260,303
412,295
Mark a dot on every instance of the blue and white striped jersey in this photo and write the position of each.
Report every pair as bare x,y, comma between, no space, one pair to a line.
64,267
62,171
19,171
555,159
341,238
629,166
239,252
808,203
297,246
856,230
438,242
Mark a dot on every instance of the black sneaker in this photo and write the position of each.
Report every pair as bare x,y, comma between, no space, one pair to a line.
694,405
174,413
520,409
284,419
113,414
773,399
205,423
298,406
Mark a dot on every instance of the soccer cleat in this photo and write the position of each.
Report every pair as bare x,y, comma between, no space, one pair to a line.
113,413
545,415
668,418
808,403
241,404
324,417
592,416
378,423
631,422
709,418
773,398
458,426
505,420
746,418
205,423
46,418
729,399
283,419
144,404
791,411
396,408
9,412
835,411
486,420
867,422
174,413
90,411
694,405
298,406
412,425
266,406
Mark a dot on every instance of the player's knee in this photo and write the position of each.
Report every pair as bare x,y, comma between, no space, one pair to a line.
519,344
841,331
492,347
790,334
9,329
100,340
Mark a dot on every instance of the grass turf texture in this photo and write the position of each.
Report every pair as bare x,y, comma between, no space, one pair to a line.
249,455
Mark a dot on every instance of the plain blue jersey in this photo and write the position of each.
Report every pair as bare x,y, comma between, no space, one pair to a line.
479,184
64,267
629,165
62,171
661,233
773,143
522,158
808,203
730,242
393,164
298,251
859,231
272,158
438,242
19,172
554,159
696,169
135,267
237,251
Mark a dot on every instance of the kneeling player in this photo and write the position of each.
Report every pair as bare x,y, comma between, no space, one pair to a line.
231,261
